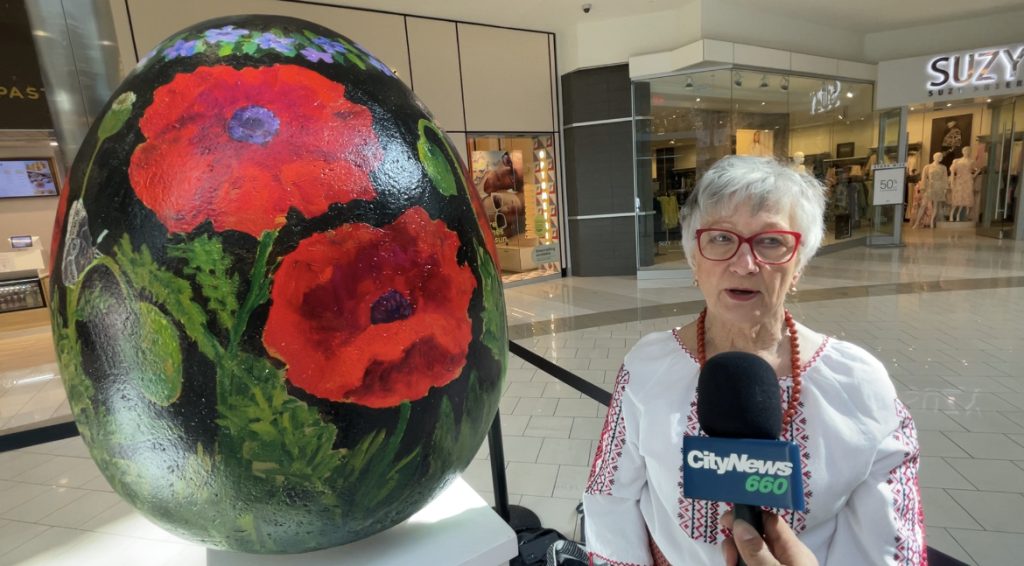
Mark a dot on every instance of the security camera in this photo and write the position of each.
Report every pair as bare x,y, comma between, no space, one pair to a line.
586,8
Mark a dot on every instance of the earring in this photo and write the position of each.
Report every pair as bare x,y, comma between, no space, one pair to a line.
695,284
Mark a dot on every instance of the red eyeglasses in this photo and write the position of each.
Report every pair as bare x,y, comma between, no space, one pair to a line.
772,247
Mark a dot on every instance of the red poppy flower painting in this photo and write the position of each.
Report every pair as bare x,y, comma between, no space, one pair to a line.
374,316
239,147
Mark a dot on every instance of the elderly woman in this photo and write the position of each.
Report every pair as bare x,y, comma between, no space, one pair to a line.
749,229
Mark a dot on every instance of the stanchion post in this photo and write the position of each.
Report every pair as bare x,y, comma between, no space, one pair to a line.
516,516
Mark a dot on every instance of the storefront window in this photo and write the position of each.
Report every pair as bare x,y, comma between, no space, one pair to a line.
685,123
515,176
941,133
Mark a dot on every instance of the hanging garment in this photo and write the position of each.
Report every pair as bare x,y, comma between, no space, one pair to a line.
669,212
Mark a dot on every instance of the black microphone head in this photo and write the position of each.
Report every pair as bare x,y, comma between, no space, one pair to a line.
738,397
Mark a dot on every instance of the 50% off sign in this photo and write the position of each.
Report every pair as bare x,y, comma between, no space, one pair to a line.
889,183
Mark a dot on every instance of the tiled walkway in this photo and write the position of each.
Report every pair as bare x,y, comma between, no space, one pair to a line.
945,314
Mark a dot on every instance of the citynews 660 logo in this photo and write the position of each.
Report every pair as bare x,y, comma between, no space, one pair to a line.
754,472
766,476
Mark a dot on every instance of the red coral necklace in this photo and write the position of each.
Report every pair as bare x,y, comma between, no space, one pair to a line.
794,348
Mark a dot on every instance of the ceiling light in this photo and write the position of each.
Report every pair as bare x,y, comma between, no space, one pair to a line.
698,99
737,78
849,94
764,81
762,103
784,83
948,104
988,100
689,82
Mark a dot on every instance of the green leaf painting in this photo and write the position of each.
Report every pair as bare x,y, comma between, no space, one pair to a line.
495,333
434,159
207,263
118,114
275,434
168,290
157,356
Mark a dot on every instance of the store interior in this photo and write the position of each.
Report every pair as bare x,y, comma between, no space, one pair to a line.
976,144
825,126
515,178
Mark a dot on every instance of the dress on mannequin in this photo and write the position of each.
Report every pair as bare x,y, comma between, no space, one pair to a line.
963,183
935,178
961,176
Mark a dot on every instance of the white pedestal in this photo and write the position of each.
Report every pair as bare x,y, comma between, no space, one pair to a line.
456,528
22,260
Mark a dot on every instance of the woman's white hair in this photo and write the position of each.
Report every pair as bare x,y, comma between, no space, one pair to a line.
763,184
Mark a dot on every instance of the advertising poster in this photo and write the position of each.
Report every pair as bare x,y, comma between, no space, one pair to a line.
498,175
26,178
754,142
949,136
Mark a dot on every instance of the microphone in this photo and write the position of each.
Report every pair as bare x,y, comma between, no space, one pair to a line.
741,461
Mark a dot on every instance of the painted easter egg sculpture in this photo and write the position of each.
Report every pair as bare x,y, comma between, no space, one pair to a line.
276,309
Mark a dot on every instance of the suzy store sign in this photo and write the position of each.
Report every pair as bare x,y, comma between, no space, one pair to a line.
976,71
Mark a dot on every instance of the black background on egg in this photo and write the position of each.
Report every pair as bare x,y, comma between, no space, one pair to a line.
113,208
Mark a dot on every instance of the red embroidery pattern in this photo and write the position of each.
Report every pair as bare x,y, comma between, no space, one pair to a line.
697,518
596,559
797,432
679,340
907,510
817,354
613,440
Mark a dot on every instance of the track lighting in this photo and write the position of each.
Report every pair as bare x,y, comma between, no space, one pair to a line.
737,78
784,84
689,82
764,81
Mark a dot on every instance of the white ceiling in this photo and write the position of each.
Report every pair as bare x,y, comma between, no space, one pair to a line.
879,15
543,15
554,15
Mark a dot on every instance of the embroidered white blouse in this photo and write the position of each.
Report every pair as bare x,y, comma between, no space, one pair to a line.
858,448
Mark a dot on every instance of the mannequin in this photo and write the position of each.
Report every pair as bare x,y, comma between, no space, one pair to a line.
757,148
798,162
935,178
961,178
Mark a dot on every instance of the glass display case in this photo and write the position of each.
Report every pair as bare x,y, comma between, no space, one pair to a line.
21,293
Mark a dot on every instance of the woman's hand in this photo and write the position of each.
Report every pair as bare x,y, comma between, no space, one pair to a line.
779,547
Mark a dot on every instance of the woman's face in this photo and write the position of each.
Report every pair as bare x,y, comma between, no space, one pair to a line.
743,290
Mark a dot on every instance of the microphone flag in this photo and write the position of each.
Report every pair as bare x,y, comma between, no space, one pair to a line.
763,473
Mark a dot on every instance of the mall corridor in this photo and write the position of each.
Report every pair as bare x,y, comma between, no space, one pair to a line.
943,313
